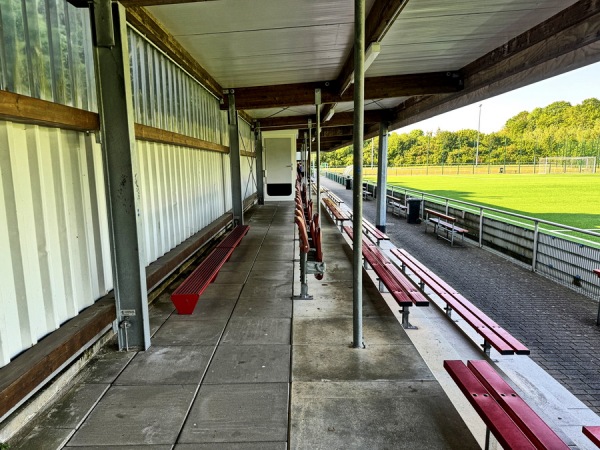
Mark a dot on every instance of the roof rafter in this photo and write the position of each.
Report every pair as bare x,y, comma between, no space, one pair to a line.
301,122
284,95
151,28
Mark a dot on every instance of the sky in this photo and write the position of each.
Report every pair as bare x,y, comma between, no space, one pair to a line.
573,87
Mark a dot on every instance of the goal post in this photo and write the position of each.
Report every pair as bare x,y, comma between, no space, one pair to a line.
563,164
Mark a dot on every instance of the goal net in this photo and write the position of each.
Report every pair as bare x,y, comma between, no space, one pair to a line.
559,164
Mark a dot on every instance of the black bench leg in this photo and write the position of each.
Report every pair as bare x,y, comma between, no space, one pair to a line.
448,311
405,323
303,280
487,439
486,347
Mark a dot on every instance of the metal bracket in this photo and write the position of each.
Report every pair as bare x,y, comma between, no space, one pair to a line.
486,347
405,323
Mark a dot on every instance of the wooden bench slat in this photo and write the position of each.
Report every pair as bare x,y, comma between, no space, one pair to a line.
593,433
532,425
497,336
506,431
234,238
402,290
187,294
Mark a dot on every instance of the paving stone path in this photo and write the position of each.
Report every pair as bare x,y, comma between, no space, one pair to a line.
555,322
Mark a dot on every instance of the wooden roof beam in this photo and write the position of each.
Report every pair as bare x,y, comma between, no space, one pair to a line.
301,122
284,95
152,29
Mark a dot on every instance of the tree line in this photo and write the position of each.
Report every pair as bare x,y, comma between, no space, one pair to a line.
559,129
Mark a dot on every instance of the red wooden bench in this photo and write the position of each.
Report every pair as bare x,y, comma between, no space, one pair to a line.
597,272
338,215
396,283
512,421
593,433
443,222
186,296
371,230
493,334
234,238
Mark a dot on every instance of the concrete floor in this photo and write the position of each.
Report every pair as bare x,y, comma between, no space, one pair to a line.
253,369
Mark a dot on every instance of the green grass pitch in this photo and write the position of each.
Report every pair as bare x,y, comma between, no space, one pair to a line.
570,199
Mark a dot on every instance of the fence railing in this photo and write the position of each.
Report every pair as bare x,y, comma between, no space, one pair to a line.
561,252
472,169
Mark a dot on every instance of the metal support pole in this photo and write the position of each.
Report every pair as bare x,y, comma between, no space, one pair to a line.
260,179
480,227
120,165
357,200
234,163
536,233
307,168
305,154
318,108
381,195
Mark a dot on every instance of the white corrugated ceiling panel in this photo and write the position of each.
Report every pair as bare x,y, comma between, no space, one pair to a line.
438,35
263,42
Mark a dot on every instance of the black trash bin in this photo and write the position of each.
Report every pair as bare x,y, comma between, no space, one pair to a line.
414,208
348,183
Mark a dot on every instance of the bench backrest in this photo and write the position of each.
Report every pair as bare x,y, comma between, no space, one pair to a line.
302,233
440,215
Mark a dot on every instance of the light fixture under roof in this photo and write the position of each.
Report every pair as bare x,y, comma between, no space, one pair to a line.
372,52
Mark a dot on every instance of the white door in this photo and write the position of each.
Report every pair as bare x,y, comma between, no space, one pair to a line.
279,148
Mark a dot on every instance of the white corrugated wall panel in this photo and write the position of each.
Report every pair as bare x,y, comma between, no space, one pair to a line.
53,231
182,192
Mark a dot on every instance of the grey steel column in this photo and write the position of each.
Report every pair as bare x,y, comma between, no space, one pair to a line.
307,169
382,156
234,162
260,181
357,200
318,163
120,165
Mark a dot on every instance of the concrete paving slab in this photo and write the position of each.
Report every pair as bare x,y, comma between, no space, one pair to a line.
251,331
322,307
375,415
70,410
238,413
189,332
234,446
275,253
266,266
338,331
232,277
243,266
343,363
263,307
249,364
271,275
222,290
43,438
246,253
123,447
106,365
167,365
136,415
260,288
208,309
